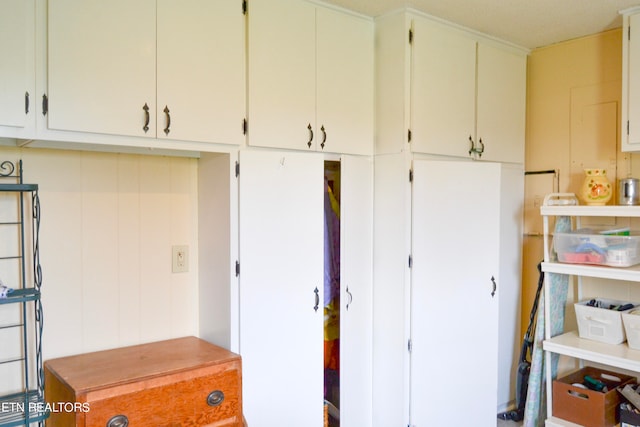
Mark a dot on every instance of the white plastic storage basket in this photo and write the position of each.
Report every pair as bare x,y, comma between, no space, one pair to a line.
600,323
631,321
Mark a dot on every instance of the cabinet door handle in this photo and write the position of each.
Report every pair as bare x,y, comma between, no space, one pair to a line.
118,421
215,398
26,102
350,298
145,128
317,292
45,104
495,286
473,148
310,135
166,112
481,150
324,137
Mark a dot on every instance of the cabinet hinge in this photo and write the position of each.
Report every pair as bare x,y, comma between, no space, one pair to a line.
410,261
237,169
409,135
410,36
244,126
409,346
244,7
45,104
410,175
237,268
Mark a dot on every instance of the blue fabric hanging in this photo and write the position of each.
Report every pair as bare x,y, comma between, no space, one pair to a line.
557,286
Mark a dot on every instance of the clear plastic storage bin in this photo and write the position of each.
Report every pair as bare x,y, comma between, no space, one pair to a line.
593,247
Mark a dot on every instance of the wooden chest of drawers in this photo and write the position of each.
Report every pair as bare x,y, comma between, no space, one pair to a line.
179,382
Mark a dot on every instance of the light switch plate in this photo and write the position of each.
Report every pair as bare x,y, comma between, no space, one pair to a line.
180,259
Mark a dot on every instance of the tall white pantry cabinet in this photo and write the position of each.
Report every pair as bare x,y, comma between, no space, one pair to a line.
310,89
281,287
449,211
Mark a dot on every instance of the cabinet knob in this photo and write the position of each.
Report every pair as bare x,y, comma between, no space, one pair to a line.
215,398
118,421
310,135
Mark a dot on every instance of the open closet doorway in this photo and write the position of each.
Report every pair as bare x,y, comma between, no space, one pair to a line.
332,293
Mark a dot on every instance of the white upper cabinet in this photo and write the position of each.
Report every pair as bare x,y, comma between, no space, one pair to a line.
101,66
17,72
631,80
501,103
310,78
164,69
344,80
443,85
201,70
463,93
281,73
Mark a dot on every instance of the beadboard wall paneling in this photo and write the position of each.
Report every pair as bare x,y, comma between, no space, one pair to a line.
108,224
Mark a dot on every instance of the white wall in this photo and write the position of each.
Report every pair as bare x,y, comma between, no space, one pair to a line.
108,224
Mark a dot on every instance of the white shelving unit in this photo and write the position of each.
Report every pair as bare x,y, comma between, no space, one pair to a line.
569,343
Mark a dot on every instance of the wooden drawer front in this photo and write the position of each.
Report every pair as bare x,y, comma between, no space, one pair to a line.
181,403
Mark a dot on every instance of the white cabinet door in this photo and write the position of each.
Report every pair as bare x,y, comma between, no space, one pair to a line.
315,90
201,70
502,90
344,82
17,78
631,83
282,64
281,287
101,66
462,90
454,305
356,309
443,84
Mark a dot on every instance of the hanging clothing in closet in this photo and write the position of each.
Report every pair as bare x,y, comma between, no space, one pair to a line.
331,279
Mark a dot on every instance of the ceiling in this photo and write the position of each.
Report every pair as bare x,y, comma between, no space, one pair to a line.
527,23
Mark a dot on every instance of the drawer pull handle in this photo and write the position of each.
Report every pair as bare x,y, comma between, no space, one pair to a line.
215,398
118,421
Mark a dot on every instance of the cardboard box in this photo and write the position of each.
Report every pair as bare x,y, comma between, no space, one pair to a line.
588,408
